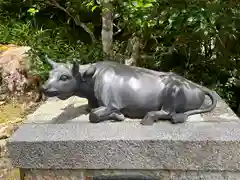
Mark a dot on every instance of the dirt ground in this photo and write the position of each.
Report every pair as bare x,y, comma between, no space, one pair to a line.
12,115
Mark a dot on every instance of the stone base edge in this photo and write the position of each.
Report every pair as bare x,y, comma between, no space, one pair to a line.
128,175
190,146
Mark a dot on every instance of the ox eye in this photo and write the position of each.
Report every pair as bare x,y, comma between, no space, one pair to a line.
64,78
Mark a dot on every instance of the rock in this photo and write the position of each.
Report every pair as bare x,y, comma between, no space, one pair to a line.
3,148
8,128
5,163
14,58
4,48
10,174
11,60
3,134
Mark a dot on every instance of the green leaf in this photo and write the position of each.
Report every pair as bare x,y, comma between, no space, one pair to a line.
32,11
93,8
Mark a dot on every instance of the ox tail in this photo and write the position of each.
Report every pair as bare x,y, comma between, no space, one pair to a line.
208,109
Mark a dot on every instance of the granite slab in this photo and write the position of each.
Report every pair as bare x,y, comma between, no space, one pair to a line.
59,136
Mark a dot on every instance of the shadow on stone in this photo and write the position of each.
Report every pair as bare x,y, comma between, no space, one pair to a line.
70,112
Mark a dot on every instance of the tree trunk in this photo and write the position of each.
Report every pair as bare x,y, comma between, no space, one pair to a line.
107,30
134,44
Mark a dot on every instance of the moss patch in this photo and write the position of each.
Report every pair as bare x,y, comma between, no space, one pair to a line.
10,111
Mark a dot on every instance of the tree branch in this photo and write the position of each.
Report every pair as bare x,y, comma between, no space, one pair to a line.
76,18
118,31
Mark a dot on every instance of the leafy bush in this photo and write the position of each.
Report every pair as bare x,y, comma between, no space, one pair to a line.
197,39
53,42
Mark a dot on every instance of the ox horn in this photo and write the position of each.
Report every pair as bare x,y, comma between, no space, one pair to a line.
51,62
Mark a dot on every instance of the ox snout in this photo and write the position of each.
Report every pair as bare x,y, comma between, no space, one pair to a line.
43,88
48,91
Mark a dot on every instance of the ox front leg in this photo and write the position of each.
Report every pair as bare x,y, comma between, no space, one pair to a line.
104,113
154,116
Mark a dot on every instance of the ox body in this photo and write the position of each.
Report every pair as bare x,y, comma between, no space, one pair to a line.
116,91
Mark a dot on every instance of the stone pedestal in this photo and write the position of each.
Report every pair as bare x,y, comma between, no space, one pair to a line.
58,142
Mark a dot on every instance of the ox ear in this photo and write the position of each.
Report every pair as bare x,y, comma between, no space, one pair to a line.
51,62
75,69
89,72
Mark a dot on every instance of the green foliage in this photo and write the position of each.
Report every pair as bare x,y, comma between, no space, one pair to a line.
32,11
138,14
198,39
48,41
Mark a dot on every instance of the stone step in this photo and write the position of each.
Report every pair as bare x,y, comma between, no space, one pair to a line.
58,136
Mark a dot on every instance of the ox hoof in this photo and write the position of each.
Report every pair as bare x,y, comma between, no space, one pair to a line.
117,117
93,118
179,118
147,121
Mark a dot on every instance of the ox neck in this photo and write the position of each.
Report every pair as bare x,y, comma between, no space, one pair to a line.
83,88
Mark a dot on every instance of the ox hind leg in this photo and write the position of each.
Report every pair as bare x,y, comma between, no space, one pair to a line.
154,116
173,109
103,113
